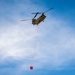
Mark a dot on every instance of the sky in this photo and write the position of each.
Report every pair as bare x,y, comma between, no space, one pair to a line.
49,47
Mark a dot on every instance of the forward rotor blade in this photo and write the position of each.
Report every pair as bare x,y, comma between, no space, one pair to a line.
48,10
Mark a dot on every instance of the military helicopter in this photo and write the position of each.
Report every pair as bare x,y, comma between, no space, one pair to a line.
39,19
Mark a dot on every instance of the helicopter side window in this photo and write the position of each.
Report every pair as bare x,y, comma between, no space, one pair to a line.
41,16
39,20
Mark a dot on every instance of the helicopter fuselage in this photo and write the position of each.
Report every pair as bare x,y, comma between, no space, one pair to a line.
38,20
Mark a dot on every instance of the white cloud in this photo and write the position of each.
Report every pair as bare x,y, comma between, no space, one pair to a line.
14,38
55,43
55,46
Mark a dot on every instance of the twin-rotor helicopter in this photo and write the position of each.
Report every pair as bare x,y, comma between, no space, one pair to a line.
40,18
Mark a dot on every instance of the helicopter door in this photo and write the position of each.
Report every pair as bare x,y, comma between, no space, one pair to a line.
33,21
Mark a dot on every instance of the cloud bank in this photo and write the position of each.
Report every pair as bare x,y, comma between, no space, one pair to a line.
50,46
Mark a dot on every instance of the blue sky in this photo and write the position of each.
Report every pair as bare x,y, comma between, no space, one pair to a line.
50,47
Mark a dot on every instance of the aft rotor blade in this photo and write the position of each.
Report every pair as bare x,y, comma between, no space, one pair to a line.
36,13
48,10
33,13
26,20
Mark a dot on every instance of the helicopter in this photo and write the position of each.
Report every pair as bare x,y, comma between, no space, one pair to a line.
39,19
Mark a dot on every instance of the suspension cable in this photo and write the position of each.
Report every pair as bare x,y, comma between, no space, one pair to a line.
36,41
